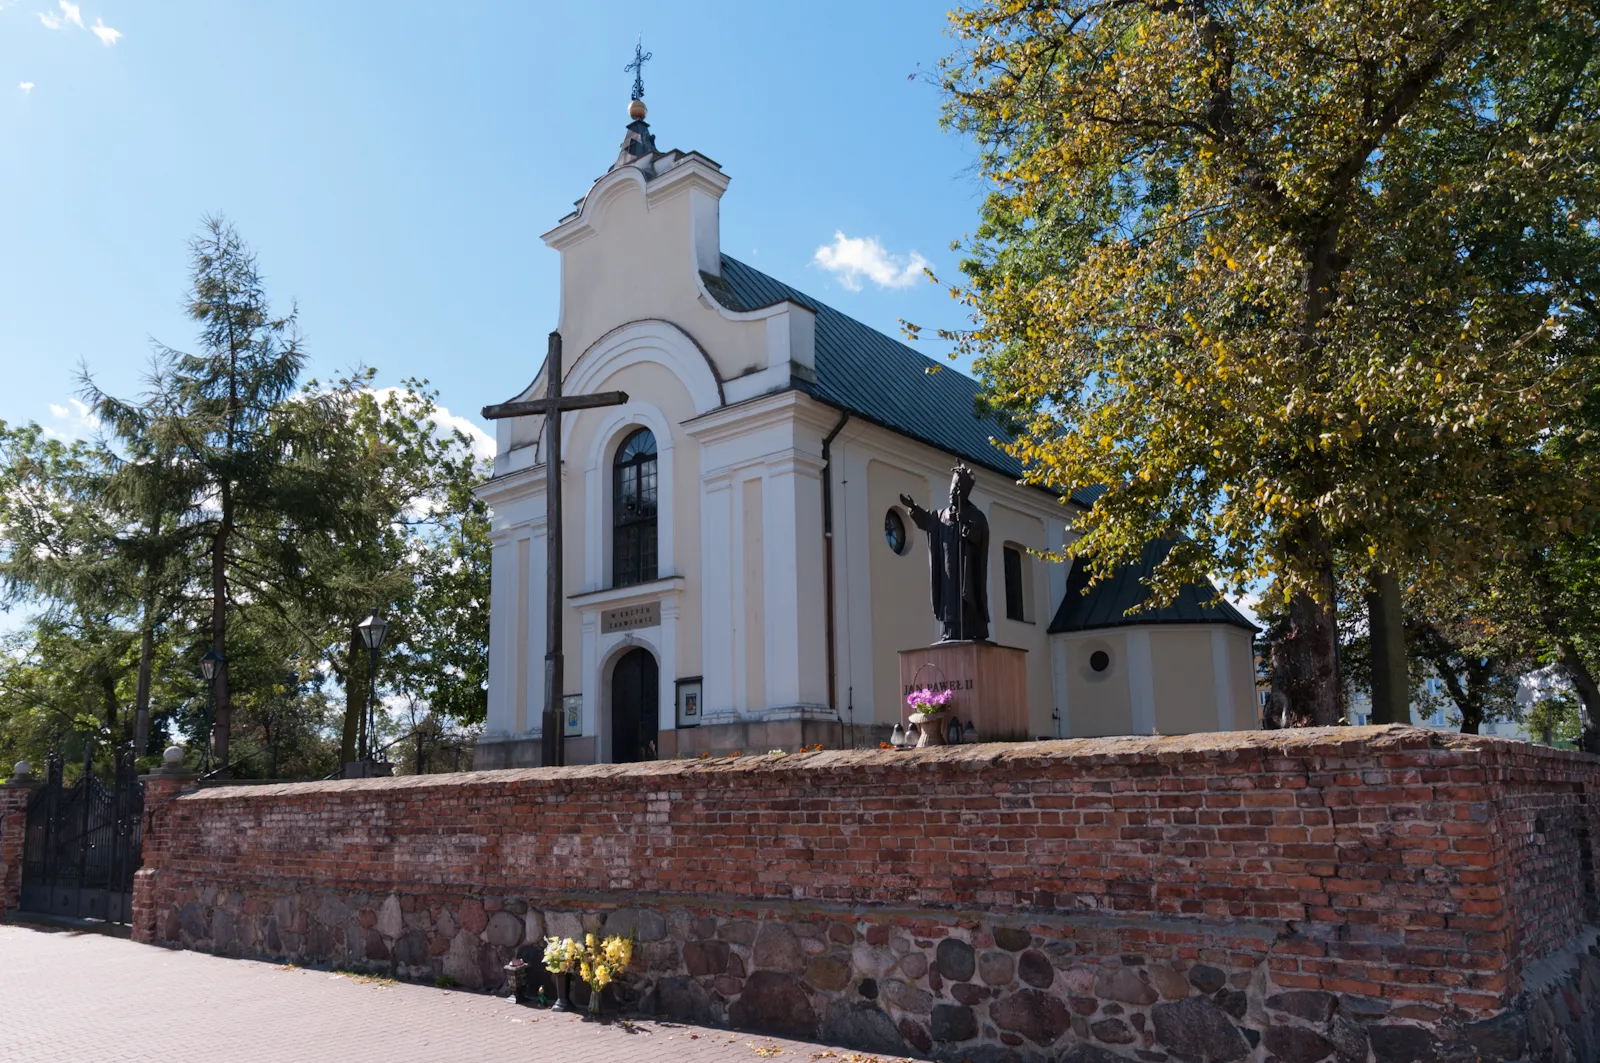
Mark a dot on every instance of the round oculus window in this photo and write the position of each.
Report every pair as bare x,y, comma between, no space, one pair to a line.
1099,660
894,531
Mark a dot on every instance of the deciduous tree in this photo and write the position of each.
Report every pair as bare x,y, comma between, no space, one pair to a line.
1310,283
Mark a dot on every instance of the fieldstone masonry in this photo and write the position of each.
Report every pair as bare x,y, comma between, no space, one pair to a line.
1379,894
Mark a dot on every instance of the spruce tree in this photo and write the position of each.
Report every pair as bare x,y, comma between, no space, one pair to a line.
244,457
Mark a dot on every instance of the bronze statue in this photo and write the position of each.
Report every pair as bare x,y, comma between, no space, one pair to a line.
958,561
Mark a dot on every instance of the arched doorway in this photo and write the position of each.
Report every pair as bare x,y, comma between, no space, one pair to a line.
635,690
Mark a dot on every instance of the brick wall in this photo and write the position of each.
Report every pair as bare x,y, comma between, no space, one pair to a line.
1247,895
13,828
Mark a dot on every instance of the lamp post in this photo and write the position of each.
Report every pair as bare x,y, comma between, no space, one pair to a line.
372,629
208,671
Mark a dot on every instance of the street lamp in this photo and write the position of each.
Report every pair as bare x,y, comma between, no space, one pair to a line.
372,629
208,670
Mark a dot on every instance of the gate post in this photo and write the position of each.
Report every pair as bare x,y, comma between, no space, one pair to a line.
160,790
14,794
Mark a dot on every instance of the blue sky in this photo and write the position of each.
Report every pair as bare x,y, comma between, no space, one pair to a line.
394,164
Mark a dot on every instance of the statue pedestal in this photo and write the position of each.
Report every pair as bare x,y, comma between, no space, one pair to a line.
990,681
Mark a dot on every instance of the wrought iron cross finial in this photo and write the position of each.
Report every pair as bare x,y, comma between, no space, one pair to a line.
640,57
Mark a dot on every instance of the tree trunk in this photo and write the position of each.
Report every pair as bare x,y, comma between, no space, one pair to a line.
141,697
147,652
1305,664
219,632
1391,685
1305,657
1577,671
1588,696
355,697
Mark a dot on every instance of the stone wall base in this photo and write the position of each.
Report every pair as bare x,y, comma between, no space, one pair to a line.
490,754
922,983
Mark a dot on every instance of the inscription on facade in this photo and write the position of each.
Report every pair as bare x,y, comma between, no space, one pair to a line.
954,684
630,617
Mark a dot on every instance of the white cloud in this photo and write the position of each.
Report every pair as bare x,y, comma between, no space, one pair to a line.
482,442
1247,604
74,421
26,87
107,35
69,13
850,258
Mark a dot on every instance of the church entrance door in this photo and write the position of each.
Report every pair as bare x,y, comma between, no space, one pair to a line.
635,689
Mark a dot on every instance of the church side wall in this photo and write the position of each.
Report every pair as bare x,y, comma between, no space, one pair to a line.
1010,527
1242,674
1098,703
1185,683
887,595
1375,893
897,614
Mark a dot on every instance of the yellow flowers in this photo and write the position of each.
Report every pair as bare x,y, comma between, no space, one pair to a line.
561,954
603,962
597,962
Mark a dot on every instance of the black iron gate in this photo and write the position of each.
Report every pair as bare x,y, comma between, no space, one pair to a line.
82,844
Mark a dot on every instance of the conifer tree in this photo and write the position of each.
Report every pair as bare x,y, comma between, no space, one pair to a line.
245,458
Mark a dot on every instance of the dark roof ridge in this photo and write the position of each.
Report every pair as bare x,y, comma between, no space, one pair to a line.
1106,604
882,379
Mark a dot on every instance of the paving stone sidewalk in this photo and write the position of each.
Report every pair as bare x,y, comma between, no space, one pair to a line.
69,997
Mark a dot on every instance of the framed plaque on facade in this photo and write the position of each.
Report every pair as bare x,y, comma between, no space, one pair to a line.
572,713
689,702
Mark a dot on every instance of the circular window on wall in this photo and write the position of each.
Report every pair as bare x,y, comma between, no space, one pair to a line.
1099,660
894,531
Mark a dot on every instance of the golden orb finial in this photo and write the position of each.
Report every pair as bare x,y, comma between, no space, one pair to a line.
636,110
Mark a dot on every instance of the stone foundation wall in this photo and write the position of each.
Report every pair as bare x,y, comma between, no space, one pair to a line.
1346,894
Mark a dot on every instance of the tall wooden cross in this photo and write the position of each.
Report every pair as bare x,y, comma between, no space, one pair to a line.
553,740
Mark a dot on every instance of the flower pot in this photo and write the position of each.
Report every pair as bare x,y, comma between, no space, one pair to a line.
563,1002
931,726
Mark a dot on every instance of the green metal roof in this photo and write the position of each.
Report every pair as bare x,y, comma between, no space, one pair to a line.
882,380
1107,603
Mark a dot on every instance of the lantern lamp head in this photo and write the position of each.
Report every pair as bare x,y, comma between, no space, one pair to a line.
372,630
897,737
209,663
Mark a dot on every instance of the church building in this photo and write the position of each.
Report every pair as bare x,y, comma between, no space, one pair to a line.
740,571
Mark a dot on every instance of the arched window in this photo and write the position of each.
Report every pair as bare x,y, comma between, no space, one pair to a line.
633,514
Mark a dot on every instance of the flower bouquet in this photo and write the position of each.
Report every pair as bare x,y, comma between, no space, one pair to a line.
601,962
561,955
929,705
930,702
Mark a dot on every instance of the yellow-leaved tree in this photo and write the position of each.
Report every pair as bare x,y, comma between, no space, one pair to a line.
1309,283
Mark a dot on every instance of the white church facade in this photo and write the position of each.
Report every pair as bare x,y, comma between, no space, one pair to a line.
739,571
